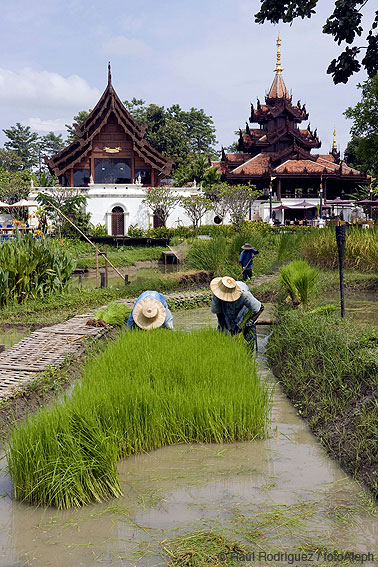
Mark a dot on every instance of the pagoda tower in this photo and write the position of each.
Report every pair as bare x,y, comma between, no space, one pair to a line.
279,149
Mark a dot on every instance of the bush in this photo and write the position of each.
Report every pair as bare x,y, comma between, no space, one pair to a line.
32,268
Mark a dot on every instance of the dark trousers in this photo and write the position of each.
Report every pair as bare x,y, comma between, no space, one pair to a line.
247,274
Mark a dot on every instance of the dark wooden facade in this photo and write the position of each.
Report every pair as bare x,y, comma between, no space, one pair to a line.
279,152
110,148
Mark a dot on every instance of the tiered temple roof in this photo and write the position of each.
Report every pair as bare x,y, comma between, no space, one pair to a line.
109,121
279,148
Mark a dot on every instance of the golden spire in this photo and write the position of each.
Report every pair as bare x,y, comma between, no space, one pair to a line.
334,145
278,68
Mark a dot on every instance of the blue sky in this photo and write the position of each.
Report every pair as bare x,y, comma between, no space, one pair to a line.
205,53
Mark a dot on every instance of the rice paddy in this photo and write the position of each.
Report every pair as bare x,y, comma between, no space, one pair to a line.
146,390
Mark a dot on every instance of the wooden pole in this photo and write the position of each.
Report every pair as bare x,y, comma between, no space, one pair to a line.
84,236
106,265
97,272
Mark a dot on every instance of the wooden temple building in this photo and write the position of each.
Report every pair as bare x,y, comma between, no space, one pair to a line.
110,148
279,152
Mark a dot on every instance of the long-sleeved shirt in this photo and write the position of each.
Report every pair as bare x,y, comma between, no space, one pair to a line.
246,258
168,323
235,311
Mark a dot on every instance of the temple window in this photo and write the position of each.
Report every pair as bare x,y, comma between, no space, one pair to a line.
145,175
81,177
112,170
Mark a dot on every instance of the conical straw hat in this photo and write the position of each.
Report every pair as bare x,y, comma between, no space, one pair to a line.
149,313
225,288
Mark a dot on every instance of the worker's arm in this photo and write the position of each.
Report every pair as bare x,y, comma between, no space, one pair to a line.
252,304
254,251
221,321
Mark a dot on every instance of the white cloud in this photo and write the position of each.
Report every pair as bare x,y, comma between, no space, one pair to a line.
45,90
122,45
41,125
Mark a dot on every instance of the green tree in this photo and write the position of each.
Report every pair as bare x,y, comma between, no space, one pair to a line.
175,132
239,198
78,119
10,160
195,207
14,186
364,130
344,24
71,202
24,142
161,201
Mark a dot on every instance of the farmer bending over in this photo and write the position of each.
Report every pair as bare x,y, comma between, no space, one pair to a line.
150,311
234,305
246,260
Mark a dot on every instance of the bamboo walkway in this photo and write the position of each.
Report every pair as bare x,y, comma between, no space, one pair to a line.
51,346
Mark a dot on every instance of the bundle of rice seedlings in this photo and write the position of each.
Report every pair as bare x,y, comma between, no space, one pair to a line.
114,314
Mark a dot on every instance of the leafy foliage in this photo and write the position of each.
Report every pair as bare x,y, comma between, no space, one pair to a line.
161,201
14,185
24,142
195,207
365,126
239,198
70,202
32,268
344,24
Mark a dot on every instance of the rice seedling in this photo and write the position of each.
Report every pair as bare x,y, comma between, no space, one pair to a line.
114,314
146,390
298,280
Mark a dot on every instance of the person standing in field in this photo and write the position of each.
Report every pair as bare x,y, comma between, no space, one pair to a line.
234,306
150,311
246,260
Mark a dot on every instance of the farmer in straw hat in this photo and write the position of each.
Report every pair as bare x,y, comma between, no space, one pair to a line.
150,311
246,260
234,305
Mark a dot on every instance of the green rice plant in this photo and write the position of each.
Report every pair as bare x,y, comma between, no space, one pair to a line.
210,255
31,268
114,314
298,279
146,390
329,369
361,249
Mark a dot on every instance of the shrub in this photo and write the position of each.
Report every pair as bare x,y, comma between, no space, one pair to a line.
32,268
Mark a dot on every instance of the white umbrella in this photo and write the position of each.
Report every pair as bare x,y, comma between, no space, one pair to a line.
24,203
2,204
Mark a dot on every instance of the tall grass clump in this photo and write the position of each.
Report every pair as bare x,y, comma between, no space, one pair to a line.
298,281
32,268
361,248
329,369
146,390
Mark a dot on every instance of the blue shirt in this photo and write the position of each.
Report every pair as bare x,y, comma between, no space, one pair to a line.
168,323
235,311
246,257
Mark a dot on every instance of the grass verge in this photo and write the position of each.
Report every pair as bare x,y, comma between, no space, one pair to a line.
329,369
135,397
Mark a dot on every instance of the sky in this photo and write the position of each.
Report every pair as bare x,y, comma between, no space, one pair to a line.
204,53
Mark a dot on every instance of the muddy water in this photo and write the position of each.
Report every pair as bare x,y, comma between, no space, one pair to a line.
361,306
282,493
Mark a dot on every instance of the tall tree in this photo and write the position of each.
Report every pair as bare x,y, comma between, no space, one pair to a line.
78,119
10,160
14,185
344,24
24,142
195,207
161,201
175,132
364,130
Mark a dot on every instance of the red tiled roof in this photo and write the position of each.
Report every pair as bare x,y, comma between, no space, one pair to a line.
258,165
278,88
300,166
235,158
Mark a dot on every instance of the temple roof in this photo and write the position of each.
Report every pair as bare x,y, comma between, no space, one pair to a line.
278,88
108,105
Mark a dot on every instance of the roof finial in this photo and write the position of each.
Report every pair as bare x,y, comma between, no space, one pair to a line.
278,68
334,145
109,74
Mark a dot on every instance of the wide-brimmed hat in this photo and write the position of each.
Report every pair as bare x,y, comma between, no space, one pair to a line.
149,313
225,288
247,246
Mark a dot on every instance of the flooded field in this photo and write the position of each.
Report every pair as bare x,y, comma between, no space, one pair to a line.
359,305
279,494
